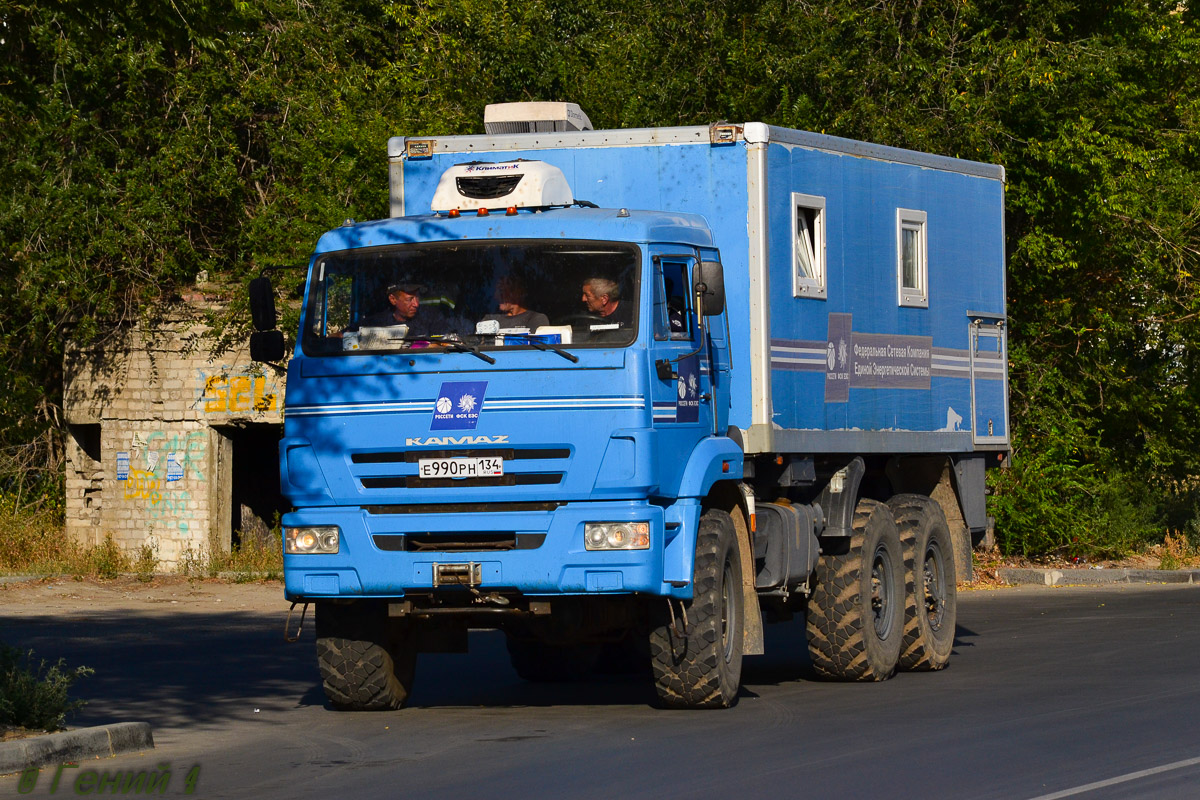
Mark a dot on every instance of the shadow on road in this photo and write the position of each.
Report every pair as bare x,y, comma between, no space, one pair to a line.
170,669
201,669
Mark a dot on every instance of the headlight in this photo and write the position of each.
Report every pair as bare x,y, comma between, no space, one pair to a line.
616,535
322,539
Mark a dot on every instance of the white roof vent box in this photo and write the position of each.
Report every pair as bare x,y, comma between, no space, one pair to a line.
534,118
493,185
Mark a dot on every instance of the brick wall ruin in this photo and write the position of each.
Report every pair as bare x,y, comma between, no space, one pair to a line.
169,445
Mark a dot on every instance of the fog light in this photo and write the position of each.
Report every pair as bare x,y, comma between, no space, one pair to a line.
616,535
322,539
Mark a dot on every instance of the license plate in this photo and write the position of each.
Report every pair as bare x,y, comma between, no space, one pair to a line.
482,467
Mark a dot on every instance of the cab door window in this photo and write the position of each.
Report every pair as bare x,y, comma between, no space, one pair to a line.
671,302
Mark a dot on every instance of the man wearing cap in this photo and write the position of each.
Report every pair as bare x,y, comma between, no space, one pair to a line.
405,300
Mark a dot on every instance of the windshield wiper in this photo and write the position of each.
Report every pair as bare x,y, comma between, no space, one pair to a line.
460,347
574,359
433,342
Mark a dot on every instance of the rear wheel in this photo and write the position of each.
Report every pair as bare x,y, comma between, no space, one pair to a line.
930,610
855,613
367,661
698,663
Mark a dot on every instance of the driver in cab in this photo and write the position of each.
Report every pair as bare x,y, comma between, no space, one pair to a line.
404,308
603,299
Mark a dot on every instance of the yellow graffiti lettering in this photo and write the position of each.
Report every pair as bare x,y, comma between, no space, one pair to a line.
238,394
263,401
216,399
142,484
239,389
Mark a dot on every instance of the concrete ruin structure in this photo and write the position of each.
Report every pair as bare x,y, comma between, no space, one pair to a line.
168,444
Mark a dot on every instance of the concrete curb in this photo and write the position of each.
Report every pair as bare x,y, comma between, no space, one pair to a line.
72,746
1095,577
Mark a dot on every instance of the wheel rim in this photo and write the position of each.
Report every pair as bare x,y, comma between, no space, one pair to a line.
728,612
933,571
881,592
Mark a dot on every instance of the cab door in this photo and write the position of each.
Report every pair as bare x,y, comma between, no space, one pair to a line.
715,363
681,418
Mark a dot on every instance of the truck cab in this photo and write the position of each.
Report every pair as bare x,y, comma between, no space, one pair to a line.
452,467
562,450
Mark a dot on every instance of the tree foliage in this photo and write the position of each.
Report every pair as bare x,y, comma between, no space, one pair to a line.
148,142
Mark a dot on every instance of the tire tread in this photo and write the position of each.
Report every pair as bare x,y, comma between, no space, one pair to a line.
688,672
836,620
363,668
916,515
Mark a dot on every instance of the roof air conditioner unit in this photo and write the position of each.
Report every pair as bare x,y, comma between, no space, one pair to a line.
534,118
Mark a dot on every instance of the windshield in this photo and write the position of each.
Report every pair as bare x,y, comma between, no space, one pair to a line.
486,294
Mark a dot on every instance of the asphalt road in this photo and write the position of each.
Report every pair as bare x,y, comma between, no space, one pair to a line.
1052,692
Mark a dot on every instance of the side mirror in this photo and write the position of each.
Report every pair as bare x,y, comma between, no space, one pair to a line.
266,346
262,304
709,286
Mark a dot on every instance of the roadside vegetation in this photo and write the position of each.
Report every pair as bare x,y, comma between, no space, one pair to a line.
34,695
34,544
148,143
248,561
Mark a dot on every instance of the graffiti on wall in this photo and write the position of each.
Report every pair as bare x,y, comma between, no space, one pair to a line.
156,470
237,391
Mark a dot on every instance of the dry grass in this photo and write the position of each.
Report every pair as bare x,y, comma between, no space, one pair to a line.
36,544
251,560
985,568
1176,552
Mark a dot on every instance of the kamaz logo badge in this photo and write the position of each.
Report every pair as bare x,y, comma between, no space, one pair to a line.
442,441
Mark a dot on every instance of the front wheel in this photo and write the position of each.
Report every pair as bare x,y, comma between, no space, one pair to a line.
698,664
367,661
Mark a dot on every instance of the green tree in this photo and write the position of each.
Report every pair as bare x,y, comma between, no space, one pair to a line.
147,143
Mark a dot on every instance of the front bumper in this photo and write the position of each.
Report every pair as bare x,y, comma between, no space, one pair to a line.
374,562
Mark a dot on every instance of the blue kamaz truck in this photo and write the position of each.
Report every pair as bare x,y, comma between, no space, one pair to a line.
627,395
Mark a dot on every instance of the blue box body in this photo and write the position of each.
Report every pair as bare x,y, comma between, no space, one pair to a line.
779,341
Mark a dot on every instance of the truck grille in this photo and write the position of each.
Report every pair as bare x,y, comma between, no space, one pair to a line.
457,542
514,476
412,456
462,508
413,482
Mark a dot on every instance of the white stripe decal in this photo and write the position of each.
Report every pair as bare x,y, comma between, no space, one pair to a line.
488,405
812,351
